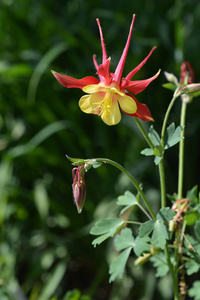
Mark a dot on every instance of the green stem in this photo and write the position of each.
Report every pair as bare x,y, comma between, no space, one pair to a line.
172,273
133,222
122,169
144,133
172,270
162,183
167,254
163,192
167,116
181,152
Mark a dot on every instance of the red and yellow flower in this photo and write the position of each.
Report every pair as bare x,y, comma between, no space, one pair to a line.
111,92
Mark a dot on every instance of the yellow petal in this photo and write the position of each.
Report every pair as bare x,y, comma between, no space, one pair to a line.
92,88
114,116
127,104
85,105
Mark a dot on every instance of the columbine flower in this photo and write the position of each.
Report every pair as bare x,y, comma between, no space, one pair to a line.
79,187
104,96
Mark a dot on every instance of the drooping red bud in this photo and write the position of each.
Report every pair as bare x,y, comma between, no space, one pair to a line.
79,187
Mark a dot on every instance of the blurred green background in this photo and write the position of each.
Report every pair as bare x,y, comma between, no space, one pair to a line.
45,246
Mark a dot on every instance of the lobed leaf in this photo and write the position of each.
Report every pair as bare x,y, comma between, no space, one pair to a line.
154,136
128,200
192,267
141,245
146,228
192,195
159,262
118,266
165,214
105,228
124,240
160,235
173,135
195,290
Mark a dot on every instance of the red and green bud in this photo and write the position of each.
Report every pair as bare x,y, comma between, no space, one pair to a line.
79,187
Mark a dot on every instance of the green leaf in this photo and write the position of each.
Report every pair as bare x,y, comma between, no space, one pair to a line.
128,200
75,295
154,136
197,229
195,252
191,218
192,194
174,135
160,235
141,245
147,152
124,240
192,267
41,199
159,262
169,86
160,231
146,228
158,150
118,266
53,281
41,136
157,159
75,160
195,290
196,94
165,214
106,228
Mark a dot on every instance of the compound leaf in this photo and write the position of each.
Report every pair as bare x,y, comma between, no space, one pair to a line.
173,135
124,240
106,228
195,290
159,262
128,200
192,267
118,266
165,214
160,235
141,245
154,136
146,228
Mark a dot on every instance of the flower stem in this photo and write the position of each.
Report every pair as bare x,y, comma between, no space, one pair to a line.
122,169
172,273
167,116
162,183
144,133
172,270
181,152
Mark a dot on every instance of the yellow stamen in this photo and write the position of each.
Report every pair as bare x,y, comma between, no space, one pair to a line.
104,100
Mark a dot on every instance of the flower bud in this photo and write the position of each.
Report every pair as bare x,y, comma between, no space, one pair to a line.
171,78
187,73
79,187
